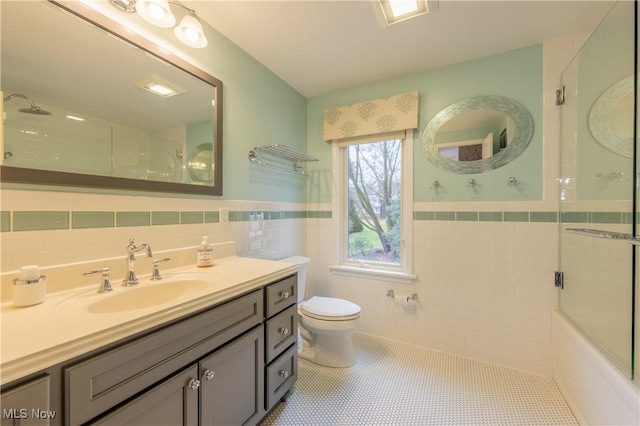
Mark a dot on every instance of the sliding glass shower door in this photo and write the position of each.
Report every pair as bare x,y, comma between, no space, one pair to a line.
597,181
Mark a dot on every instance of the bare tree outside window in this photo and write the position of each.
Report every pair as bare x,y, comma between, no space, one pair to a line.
374,197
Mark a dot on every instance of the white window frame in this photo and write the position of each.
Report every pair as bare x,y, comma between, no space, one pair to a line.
402,273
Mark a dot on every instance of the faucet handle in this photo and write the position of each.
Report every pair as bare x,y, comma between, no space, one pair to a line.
155,276
105,283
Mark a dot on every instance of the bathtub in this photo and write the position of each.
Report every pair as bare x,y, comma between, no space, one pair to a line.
595,389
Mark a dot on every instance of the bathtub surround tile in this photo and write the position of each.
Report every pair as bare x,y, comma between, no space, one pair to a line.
606,217
467,216
574,217
125,219
83,220
40,220
414,386
516,216
543,217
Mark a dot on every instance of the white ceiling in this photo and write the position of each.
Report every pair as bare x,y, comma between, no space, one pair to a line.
326,45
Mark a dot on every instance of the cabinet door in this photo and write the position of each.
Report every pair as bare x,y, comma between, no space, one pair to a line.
172,402
27,404
232,391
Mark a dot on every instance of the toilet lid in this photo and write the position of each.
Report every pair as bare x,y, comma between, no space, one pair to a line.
330,307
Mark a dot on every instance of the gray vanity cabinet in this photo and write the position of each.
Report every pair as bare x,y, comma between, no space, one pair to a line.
225,365
27,404
231,390
174,402
281,369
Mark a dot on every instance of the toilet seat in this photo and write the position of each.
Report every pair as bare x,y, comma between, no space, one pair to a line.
330,309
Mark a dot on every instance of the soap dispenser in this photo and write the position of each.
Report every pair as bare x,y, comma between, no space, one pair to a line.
205,253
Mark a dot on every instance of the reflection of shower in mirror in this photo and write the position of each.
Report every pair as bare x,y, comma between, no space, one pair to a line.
33,109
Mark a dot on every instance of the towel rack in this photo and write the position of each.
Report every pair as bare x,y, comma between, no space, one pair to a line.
276,151
597,233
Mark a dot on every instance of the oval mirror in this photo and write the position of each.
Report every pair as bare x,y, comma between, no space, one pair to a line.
478,134
611,118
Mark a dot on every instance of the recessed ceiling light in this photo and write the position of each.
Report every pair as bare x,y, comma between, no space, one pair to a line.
399,10
159,86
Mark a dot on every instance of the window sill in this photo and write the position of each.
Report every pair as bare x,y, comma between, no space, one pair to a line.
374,274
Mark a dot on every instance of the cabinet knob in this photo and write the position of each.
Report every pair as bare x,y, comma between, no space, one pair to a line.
285,294
284,374
208,374
283,330
194,384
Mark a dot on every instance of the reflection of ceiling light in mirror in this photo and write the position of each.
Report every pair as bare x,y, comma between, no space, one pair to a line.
399,10
190,32
73,117
159,86
156,12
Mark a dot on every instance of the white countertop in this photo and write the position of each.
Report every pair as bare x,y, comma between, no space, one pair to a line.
36,337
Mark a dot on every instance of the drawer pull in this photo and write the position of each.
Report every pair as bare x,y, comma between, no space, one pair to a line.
194,384
284,374
283,330
208,374
284,294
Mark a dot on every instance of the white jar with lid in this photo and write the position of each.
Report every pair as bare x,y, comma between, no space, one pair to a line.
30,287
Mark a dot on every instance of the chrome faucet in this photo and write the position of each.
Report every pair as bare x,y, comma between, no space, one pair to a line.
131,279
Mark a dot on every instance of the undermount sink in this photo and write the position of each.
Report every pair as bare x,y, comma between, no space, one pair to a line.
144,295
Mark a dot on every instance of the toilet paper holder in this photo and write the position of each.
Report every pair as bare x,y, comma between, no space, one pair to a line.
412,296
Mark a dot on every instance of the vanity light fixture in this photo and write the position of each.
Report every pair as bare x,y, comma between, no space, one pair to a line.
158,12
400,10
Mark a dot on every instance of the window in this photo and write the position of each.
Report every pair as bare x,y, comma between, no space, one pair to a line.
374,204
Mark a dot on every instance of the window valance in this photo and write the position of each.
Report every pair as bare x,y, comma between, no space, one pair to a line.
399,112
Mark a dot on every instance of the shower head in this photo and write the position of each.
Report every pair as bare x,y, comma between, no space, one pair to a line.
32,110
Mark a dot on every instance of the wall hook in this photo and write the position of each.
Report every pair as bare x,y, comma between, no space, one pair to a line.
471,183
512,181
435,185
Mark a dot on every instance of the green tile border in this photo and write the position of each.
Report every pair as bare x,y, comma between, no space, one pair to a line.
51,220
5,221
124,219
40,220
88,220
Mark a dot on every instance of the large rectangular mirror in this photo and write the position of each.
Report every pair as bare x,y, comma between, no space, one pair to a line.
78,109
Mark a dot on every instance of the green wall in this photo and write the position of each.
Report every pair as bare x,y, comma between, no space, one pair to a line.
516,75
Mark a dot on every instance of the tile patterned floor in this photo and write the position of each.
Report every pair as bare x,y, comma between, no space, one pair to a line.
394,383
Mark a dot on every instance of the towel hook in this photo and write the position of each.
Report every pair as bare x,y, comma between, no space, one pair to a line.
471,183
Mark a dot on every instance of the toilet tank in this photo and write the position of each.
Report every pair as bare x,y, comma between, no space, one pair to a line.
303,263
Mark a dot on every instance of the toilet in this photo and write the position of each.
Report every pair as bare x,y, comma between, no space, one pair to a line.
325,324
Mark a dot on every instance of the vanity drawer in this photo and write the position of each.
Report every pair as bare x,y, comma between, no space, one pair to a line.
105,380
281,295
282,331
281,375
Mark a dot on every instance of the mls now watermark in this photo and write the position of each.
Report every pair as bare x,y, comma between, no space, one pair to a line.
25,413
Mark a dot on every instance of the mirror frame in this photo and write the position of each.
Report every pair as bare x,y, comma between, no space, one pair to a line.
518,113
600,119
10,174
